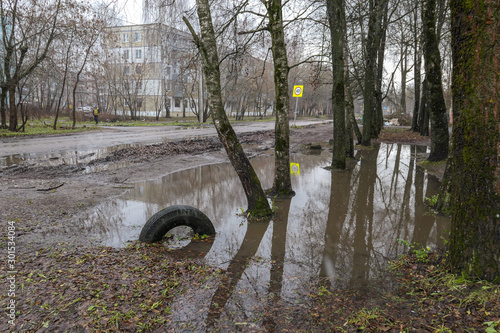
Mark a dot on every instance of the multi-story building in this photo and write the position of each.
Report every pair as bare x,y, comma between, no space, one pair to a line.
151,70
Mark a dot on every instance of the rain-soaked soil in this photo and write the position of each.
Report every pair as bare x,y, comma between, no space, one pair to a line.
68,279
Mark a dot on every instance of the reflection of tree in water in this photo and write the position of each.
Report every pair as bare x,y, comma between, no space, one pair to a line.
278,249
253,236
339,206
251,242
379,201
427,220
363,203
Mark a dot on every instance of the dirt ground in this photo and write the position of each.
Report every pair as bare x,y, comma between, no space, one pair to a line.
41,198
72,283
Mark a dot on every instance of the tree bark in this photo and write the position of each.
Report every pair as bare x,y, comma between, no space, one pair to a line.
336,18
282,185
474,198
369,80
258,205
435,98
371,119
3,109
423,113
378,120
418,66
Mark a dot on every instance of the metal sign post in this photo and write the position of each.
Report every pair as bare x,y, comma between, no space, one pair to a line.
297,92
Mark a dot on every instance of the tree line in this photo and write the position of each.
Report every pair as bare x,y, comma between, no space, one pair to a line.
475,232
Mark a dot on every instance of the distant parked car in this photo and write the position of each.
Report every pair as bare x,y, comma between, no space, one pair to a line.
84,109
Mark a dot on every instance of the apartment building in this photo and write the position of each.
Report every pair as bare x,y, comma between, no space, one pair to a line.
151,70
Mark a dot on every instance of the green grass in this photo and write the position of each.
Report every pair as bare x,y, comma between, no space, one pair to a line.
44,126
43,130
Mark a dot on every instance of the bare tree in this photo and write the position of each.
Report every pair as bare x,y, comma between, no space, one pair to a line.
27,35
336,18
258,205
282,185
435,98
67,58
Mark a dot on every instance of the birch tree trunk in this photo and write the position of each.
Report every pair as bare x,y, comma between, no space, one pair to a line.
258,205
282,186
336,19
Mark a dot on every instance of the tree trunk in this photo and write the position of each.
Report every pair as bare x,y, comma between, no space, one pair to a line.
404,61
370,117
474,198
258,205
378,120
66,67
423,113
282,185
3,107
351,126
12,106
418,65
336,18
436,103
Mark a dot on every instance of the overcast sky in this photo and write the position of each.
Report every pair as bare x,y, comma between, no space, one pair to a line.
133,10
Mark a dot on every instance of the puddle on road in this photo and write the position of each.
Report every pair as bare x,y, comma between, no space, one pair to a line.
61,157
343,225
73,157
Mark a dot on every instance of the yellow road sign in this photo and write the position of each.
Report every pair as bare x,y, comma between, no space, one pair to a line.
297,91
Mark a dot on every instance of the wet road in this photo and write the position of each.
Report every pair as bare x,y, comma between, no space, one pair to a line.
113,136
22,148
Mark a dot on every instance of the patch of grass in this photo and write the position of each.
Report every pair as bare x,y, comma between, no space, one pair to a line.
425,296
432,165
421,253
102,289
364,318
44,130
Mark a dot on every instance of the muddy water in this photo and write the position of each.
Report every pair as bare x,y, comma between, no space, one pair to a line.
69,157
343,225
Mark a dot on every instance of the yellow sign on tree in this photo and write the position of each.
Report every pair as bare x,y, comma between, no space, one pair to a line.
297,91
295,168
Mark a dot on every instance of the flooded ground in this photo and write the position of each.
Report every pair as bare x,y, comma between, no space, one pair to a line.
342,225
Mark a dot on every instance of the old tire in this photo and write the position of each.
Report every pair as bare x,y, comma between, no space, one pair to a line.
165,220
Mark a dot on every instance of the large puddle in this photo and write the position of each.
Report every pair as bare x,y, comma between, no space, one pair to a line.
343,225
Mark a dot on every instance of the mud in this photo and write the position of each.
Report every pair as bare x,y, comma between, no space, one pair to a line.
29,197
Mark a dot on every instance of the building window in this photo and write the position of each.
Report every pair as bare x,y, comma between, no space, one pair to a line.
126,102
126,70
138,102
137,36
177,102
125,38
125,54
138,54
138,69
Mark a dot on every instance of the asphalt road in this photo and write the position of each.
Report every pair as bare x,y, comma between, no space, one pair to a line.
13,150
